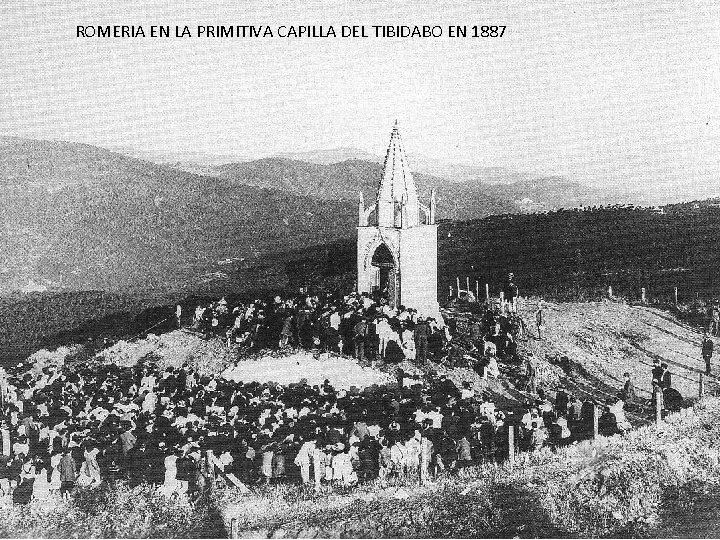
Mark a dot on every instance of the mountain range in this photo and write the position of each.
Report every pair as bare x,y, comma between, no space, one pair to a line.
80,217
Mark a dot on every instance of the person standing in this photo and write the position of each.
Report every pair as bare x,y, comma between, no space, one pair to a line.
628,392
68,473
666,377
361,330
531,371
304,459
657,371
510,291
540,319
707,351
422,331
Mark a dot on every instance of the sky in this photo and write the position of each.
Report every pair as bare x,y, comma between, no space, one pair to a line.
597,91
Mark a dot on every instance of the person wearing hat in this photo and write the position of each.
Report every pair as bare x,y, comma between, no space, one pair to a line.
657,370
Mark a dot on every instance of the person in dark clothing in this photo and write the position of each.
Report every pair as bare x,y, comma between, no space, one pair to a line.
628,391
422,331
707,352
607,424
510,291
68,474
666,377
360,331
673,399
561,401
540,319
24,491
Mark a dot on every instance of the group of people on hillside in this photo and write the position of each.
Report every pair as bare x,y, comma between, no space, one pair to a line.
664,396
355,324
70,428
73,427
363,327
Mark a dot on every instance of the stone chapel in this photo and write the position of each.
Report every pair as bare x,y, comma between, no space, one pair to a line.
397,238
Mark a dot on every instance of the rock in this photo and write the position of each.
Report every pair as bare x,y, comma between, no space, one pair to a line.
279,533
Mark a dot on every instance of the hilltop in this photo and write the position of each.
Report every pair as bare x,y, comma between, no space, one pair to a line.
644,483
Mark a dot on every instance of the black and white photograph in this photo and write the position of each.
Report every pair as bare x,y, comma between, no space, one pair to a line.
341,269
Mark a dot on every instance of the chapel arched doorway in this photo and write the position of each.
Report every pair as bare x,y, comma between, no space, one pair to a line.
387,276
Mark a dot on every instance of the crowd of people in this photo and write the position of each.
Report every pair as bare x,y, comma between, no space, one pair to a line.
355,325
74,427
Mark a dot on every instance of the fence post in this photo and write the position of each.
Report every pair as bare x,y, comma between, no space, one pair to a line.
477,290
596,423
233,528
701,386
658,409
676,296
642,295
457,282
511,445
467,283
450,291
487,292
610,295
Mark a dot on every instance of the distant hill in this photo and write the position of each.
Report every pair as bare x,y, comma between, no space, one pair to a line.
334,155
78,217
466,199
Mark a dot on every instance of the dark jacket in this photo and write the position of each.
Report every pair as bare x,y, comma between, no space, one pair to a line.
707,348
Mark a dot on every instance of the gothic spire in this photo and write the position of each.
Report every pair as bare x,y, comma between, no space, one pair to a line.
397,200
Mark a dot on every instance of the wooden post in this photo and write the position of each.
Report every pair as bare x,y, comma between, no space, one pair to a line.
643,299
457,282
233,528
477,290
676,296
467,283
487,292
610,292
596,422
511,445
450,291
658,409
502,302
701,387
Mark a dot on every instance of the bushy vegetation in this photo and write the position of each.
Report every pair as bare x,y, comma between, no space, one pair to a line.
115,512
577,254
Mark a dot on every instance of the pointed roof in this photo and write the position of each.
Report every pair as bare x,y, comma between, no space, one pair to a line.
397,186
